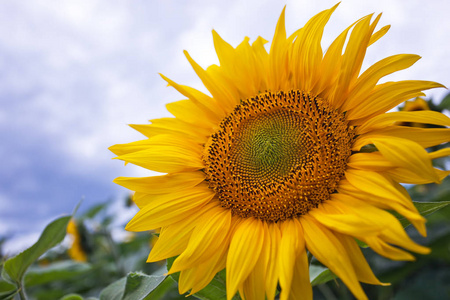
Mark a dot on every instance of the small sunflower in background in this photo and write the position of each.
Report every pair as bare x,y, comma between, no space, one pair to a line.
76,250
291,154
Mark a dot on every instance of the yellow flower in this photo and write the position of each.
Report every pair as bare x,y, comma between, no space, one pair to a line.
270,165
76,251
416,104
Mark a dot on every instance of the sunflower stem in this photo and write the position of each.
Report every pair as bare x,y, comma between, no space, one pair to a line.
22,294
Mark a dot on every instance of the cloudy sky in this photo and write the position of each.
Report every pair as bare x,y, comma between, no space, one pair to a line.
74,73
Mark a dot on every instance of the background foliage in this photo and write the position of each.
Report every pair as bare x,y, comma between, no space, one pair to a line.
115,268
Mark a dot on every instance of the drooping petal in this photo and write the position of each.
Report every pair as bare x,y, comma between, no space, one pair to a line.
244,252
301,288
174,238
208,236
291,244
327,248
272,271
253,285
407,154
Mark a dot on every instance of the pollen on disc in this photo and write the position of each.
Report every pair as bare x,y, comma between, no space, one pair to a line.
276,156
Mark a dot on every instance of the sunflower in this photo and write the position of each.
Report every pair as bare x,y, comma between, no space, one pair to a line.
76,251
291,153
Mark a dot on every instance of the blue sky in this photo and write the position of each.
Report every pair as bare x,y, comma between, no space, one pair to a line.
74,73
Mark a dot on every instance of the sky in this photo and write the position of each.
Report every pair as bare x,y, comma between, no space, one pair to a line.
75,73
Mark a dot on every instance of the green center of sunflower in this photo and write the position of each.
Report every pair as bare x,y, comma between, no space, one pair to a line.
276,156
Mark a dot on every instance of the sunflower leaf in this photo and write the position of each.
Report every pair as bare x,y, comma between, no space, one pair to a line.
445,103
424,208
319,275
114,291
72,297
52,235
8,295
135,286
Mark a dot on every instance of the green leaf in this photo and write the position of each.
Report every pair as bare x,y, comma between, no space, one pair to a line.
114,291
8,295
72,297
94,211
6,287
445,103
136,286
159,293
361,243
319,275
424,208
52,235
139,286
62,270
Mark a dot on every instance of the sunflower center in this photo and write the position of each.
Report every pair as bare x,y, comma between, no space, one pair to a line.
276,156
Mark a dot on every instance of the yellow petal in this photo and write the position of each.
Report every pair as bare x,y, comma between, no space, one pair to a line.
167,154
388,119
226,96
198,277
326,247
359,263
306,53
301,288
209,235
386,200
386,250
353,58
367,81
292,243
379,34
369,161
439,153
426,137
330,66
244,252
388,230
122,149
377,184
278,56
408,176
388,95
166,209
189,112
172,126
407,154
208,104
253,285
174,238
274,238
161,184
